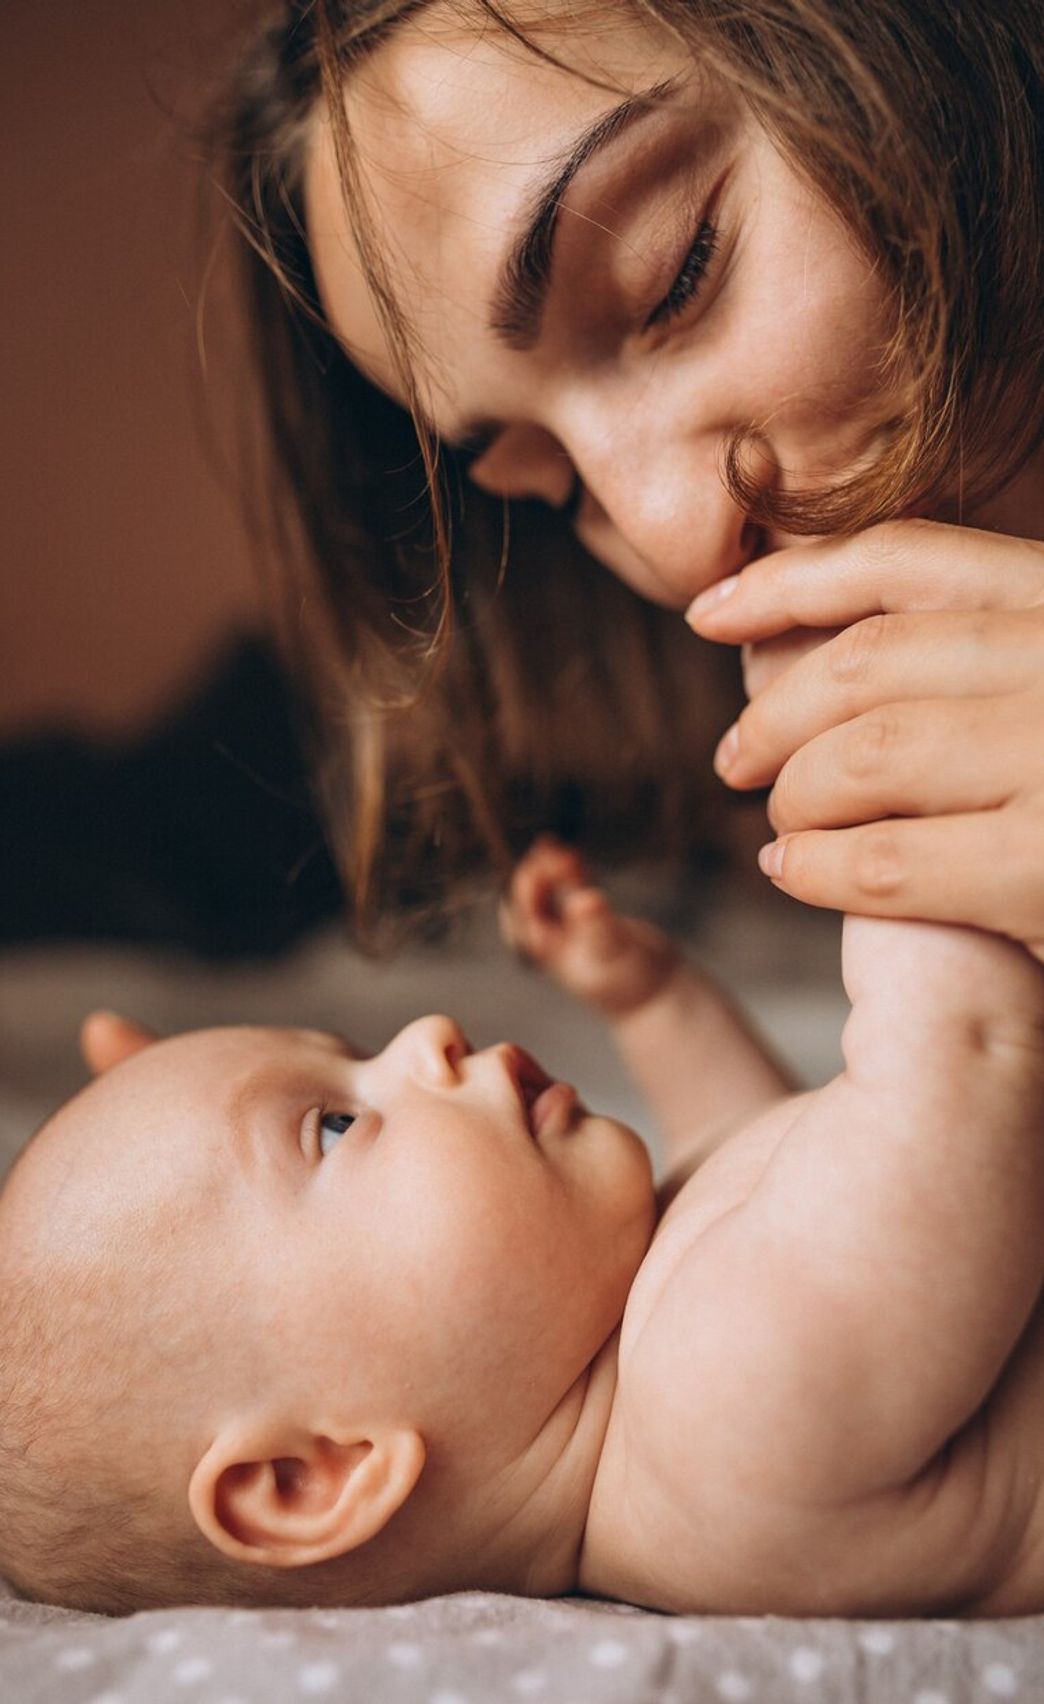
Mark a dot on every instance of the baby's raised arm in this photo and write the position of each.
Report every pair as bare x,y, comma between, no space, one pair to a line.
855,1312
699,1066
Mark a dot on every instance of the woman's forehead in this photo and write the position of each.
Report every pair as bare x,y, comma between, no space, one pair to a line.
455,125
439,69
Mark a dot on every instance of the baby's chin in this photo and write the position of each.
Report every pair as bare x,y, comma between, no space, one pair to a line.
617,1161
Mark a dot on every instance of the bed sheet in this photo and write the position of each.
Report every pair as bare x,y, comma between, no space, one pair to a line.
481,1648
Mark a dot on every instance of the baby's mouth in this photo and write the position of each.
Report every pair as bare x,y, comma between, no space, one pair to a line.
550,1107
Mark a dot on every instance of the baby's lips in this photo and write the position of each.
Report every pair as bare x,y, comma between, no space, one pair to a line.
529,1074
528,1079
554,1111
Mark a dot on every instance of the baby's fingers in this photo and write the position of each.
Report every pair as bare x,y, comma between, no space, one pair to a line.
545,875
527,933
586,907
532,914
590,922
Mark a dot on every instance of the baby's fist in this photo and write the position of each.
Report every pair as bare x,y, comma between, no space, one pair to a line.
554,916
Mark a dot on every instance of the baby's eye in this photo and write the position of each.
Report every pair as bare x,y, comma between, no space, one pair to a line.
332,1126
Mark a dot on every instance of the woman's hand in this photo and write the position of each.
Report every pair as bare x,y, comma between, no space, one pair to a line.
905,744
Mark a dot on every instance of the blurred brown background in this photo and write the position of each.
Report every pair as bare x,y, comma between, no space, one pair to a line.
125,572
152,781
124,562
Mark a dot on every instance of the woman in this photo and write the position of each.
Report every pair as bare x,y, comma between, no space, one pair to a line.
695,282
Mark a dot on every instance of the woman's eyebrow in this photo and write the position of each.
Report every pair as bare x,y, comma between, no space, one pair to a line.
518,300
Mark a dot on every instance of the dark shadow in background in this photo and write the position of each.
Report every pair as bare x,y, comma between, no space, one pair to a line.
152,787
199,834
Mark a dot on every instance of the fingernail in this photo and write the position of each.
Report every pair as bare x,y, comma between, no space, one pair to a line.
728,746
711,598
770,859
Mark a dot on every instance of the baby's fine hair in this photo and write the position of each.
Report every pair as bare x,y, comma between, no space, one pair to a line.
94,1510
75,1527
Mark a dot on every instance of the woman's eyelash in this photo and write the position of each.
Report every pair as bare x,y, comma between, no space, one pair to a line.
690,276
685,288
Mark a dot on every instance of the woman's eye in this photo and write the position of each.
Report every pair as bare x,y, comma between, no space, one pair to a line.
691,274
332,1126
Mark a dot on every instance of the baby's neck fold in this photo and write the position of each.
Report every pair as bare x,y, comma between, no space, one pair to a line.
536,1550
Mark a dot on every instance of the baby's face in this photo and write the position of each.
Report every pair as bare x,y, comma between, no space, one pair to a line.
435,1230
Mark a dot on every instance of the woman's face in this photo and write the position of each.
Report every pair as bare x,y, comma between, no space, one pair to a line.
600,284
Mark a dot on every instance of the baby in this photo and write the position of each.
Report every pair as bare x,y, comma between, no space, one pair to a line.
285,1324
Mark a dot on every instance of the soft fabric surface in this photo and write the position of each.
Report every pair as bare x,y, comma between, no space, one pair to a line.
477,1648
473,1648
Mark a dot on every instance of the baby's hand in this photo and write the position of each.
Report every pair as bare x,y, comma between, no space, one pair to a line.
553,916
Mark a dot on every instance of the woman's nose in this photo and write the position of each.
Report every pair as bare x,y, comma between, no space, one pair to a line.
432,1047
663,520
526,462
658,516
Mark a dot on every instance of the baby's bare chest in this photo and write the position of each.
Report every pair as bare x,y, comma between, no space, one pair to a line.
968,1538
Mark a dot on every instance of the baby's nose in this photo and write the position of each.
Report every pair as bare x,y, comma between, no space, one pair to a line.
438,1044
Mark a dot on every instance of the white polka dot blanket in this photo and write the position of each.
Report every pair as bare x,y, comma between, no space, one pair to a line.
481,1648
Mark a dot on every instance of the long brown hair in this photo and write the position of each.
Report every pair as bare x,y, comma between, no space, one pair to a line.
473,674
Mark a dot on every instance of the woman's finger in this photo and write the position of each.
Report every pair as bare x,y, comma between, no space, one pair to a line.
766,661
883,659
981,869
898,566
926,758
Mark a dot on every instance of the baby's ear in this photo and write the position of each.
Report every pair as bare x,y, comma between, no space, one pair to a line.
320,1499
106,1038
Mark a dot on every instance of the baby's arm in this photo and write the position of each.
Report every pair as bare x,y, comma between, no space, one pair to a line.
858,1309
698,1065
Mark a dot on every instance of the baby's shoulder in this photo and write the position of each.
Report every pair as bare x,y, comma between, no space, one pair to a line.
673,1290
691,1200
659,1490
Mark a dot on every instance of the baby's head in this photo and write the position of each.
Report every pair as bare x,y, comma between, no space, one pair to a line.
284,1324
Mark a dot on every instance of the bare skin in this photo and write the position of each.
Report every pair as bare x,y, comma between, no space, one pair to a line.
831,1369
922,795
446,1332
